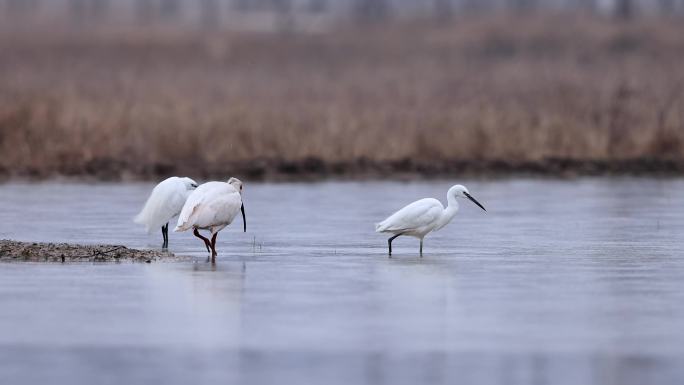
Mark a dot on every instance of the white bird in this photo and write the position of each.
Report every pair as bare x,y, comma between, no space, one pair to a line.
165,202
212,206
423,216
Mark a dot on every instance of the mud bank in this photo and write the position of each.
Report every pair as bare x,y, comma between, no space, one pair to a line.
312,168
65,252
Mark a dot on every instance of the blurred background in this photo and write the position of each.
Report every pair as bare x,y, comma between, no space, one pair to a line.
562,281
268,89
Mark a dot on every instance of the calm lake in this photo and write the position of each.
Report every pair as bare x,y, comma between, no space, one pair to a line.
560,282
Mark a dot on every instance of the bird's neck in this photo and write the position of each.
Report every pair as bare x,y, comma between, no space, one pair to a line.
452,203
451,208
448,213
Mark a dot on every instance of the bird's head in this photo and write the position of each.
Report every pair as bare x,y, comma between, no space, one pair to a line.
460,191
189,183
237,183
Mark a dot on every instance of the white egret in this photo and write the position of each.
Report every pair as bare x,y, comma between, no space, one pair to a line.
212,206
165,202
423,216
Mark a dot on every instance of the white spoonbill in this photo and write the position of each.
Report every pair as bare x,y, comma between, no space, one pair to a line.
165,202
212,206
423,216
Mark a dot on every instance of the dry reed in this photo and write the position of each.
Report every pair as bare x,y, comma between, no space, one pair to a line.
491,89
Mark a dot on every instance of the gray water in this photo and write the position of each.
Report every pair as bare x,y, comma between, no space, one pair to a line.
560,282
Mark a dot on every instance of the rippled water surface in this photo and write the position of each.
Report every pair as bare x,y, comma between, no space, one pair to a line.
560,282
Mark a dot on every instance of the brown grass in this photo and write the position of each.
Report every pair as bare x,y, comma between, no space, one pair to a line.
491,89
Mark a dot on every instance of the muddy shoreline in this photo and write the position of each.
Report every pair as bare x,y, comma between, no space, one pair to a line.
311,169
14,251
360,169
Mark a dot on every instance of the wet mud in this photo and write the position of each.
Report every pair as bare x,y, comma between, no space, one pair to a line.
66,252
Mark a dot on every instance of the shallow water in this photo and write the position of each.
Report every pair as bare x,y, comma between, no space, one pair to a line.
560,282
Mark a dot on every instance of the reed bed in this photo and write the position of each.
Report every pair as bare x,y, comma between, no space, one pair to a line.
496,92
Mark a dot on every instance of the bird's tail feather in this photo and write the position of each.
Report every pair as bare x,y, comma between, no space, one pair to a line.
186,219
183,224
142,219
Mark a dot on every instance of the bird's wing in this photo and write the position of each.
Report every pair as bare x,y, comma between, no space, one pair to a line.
414,216
191,206
199,202
175,202
165,202
174,196
223,208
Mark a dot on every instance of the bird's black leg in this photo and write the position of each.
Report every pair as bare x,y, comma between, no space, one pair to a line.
165,235
206,241
213,248
421,247
389,243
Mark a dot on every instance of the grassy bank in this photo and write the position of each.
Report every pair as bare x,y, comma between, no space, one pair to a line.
495,94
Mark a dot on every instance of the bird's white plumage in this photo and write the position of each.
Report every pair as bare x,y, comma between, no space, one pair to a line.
165,202
212,206
419,217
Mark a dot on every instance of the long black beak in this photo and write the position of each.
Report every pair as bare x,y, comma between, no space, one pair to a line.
244,220
474,200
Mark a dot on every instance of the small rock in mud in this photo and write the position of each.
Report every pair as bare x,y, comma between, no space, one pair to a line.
65,252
